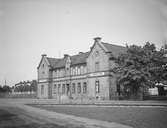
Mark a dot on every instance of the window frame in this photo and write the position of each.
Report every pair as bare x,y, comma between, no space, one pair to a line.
42,89
73,88
97,86
85,87
63,89
97,66
79,88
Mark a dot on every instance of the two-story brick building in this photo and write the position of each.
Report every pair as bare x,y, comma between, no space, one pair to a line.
85,75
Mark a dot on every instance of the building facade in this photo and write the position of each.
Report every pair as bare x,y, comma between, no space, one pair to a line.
86,75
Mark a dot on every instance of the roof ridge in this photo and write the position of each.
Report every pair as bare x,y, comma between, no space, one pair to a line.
113,44
52,58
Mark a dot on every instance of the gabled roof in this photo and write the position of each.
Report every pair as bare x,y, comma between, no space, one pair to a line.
81,57
75,59
114,49
52,61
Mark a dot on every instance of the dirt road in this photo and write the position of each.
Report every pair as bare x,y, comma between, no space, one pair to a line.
20,115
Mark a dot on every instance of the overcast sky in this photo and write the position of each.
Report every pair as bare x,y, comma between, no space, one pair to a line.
29,28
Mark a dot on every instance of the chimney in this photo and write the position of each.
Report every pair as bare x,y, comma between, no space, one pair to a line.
43,55
97,39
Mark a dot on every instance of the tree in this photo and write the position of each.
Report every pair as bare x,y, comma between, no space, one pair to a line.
140,68
6,89
133,73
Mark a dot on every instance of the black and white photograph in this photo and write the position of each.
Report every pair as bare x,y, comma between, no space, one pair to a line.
83,63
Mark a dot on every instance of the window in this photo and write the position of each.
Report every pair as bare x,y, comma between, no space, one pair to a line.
97,53
60,73
54,90
71,71
79,70
97,86
76,70
43,65
57,73
73,88
63,89
84,87
97,66
59,86
79,87
42,89
84,69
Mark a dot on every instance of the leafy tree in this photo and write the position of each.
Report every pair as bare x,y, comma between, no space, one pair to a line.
141,67
6,89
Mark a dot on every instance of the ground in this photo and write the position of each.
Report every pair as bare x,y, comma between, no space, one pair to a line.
10,120
19,113
138,117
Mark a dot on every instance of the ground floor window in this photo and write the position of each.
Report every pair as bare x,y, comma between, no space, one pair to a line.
84,87
79,88
63,89
97,86
59,87
42,89
55,89
73,88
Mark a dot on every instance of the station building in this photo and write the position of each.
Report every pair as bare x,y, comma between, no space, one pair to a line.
85,75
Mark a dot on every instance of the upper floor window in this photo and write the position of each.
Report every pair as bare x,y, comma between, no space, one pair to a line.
84,87
76,70
57,73
79,70
97,86
84,69
71,71
97,53
97,66
43,65
79,88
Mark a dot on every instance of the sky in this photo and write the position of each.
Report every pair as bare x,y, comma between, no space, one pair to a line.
29,28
